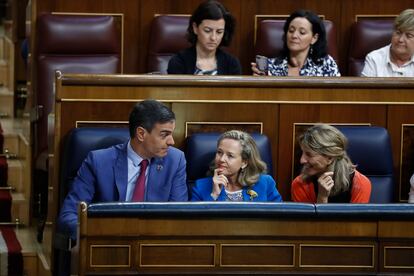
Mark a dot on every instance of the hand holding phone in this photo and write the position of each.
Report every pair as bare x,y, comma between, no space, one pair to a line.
262,63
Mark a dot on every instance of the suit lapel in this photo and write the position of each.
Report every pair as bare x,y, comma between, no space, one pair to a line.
121,172
155,174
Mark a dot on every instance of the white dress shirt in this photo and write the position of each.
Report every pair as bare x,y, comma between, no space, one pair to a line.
378,64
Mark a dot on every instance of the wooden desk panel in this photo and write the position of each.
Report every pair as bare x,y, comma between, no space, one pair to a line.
398,118
215,244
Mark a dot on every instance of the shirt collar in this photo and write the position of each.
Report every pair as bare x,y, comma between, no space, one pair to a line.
412,59
133,156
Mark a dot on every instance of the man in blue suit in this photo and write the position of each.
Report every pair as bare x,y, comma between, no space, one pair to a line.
113,174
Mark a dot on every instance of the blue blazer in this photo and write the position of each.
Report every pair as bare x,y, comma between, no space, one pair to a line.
103,177
265,190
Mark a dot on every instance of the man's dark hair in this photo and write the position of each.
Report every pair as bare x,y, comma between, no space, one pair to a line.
211,10
320,47
147,113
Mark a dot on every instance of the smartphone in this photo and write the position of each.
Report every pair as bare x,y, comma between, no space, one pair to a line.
261,62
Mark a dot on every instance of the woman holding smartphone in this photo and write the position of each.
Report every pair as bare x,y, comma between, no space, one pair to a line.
239,174
328,174
305,50
210,27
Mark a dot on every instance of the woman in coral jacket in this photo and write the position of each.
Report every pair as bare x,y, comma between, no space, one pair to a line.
328,174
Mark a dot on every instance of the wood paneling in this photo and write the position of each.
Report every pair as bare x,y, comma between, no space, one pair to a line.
177,255
257,255
249,244
337,255
401,257
286,228
398,115
395,229
110,255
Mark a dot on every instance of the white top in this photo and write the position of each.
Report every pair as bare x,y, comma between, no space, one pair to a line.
234,196
378,64
411,193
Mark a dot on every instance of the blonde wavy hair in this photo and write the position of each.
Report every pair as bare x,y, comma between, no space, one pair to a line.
328,141
249,153
405,21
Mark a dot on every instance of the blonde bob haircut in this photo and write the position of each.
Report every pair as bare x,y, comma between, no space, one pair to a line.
405,21
328,141
249,153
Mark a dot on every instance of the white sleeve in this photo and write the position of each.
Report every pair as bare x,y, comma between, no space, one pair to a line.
369,67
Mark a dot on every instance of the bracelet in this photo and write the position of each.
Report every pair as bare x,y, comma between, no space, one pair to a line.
214,196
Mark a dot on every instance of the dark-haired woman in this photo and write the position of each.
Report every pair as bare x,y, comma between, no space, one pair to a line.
211,26
304,49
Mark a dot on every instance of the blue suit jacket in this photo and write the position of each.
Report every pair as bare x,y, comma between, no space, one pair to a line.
265,190
103,176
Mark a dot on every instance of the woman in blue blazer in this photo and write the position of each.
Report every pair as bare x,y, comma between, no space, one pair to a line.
238,173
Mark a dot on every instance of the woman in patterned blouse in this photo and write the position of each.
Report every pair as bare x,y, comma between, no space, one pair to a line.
304,49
